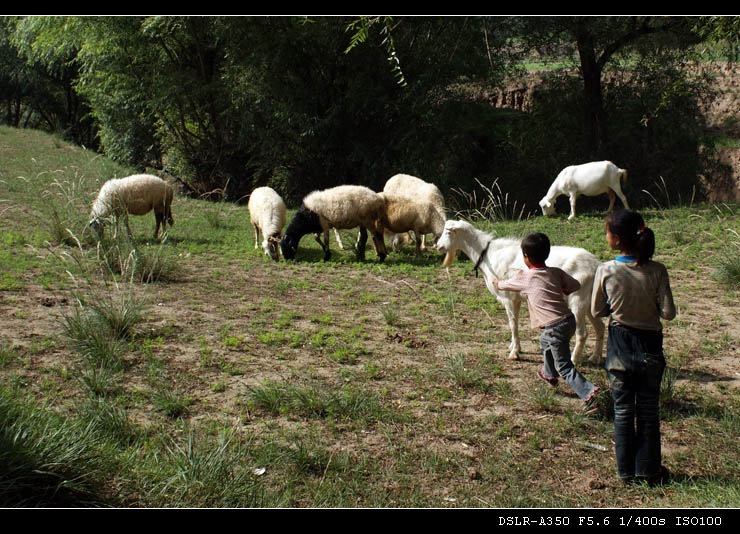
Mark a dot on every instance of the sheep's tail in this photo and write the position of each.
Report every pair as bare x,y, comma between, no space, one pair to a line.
622,176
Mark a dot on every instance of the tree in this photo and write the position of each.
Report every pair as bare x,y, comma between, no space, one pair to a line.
597,41
38,79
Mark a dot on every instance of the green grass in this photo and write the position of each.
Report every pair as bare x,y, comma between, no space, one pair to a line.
195,372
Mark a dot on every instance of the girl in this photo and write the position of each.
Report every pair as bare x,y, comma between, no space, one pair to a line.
635,292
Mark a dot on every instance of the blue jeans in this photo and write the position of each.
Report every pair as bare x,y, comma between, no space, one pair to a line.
634,366
555,343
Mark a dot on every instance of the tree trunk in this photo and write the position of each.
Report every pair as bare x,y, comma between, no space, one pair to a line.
591,72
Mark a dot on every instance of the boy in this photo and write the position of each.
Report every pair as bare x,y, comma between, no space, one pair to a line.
545,288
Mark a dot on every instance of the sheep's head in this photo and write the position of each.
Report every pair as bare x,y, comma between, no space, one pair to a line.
547,208
448,242
96,225
270,246
288,246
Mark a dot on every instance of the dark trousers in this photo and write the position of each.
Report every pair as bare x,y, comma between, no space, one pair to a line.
634,366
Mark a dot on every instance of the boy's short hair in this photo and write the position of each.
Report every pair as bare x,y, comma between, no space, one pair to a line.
536,246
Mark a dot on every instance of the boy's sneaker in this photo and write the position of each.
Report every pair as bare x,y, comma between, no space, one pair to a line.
552,381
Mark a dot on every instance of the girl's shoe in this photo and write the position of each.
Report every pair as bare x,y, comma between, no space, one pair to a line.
661,478
552,381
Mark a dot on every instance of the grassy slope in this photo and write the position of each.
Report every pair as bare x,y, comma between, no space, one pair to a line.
354,384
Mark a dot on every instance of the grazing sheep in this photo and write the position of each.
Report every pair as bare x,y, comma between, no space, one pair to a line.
419,190
590,179
340,207
267,215
136,195
502,258
402,214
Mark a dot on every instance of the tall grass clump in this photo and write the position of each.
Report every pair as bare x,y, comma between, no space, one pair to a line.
47,460
202,471
462,375
98,327
663,197
674,365
122,256
66,207
727,270
491,204
315,401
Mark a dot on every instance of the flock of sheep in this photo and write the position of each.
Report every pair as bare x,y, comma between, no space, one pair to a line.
406,204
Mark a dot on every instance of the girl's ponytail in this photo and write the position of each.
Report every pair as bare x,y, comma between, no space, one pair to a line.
644,245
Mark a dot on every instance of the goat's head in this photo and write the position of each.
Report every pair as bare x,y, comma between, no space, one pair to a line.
548,208
448,242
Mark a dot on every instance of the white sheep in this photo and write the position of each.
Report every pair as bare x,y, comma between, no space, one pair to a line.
267,214
419,190
136,195
590,179
502,258
340,207
402,214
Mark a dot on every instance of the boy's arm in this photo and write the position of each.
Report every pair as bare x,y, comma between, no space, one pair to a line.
512,284
570,284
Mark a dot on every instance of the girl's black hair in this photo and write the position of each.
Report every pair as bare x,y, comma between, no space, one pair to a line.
633,235
536,246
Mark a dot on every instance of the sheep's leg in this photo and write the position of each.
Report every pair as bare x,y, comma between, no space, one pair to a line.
324,244
396,242
128,228
168,214
159,219
339,239
361,243
599,329
512,312
379,244
256,236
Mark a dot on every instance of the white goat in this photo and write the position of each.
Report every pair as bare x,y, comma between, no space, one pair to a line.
341,207
418,190
267,214
136,195
590,179
502,258
402,214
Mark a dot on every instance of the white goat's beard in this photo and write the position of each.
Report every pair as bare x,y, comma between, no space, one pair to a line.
449,258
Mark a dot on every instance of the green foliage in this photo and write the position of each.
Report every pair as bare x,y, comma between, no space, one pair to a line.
198,94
